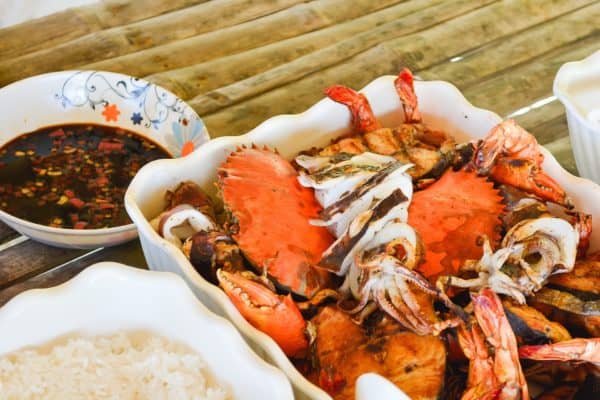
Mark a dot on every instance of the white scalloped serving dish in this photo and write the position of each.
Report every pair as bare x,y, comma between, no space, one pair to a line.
109,297
442,106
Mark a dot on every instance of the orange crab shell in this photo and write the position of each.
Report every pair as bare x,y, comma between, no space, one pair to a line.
276,315
272,213
451,216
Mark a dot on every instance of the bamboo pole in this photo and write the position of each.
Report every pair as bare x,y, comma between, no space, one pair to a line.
144,34
524,85
53,266
521,47
561,149
72,23
418,51
334,54
31,258
279,26
190,81
6,233
538,116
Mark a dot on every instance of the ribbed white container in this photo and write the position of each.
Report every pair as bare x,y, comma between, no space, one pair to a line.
577,86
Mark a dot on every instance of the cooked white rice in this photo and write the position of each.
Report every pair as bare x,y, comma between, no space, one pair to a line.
122,366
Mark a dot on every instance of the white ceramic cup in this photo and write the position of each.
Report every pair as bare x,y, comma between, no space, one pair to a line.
577,86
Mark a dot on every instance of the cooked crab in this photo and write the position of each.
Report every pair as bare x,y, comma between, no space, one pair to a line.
276,315
451,216
257,185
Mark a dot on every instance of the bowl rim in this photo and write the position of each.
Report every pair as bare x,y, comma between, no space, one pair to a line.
71,231
561,83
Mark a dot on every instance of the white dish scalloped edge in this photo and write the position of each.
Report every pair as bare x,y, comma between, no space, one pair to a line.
109,297
443,107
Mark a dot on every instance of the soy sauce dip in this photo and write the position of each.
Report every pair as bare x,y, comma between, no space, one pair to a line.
72,176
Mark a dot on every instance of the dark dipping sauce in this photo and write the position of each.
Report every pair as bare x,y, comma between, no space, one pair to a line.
72,176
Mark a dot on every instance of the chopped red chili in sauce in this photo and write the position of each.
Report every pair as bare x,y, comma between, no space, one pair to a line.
72,176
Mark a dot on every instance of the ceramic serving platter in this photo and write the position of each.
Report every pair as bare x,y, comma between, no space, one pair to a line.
443,107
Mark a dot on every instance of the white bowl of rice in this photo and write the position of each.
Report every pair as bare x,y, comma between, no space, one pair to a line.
116,332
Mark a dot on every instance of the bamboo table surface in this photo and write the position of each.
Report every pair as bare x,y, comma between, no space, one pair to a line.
238,62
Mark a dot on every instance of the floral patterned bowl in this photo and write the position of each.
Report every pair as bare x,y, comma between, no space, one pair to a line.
101,98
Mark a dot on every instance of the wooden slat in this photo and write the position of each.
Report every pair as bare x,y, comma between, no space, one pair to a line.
129,253
537,116
551,130
75,22
521,47
561,149
418,51
31,258
289,23
148,33
328,56
190,81
523,85
6,233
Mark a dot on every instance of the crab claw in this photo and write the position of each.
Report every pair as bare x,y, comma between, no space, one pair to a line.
362,116
277,316
587,350
511,155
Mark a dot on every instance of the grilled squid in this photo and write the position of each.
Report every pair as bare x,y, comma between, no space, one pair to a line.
181,222
339,174
531,252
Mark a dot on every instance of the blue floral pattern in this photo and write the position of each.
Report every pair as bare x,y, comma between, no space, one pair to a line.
150,106
136,118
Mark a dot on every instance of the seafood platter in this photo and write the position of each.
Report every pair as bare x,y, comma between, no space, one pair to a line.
397,230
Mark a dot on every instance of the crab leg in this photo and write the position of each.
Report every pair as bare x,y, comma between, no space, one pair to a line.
362,115
587,350
406,91
277,316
